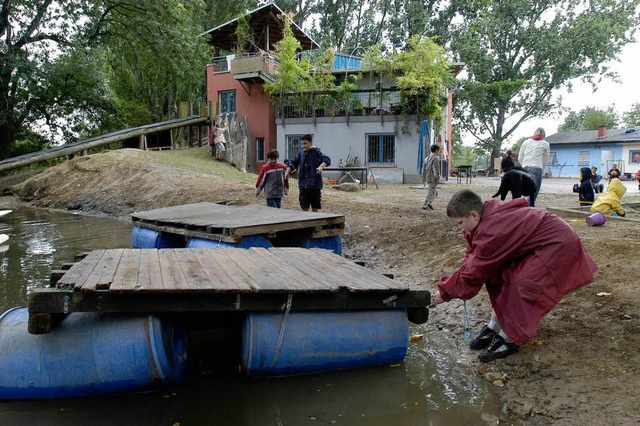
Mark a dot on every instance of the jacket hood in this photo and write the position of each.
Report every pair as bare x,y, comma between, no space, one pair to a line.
616,187
585,174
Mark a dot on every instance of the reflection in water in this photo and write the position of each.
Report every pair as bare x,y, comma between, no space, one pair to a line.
427,389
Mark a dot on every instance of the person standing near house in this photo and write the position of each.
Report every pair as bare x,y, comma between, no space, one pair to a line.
272,179
220,139
534,156
212,138
309,163
431,176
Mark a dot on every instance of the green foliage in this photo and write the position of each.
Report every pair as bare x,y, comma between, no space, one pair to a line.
425,73
73,65
244,34
517,53
631,118
590,118
293,75
28,141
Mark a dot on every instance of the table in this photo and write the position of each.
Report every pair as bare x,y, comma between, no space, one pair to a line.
364,173
467,170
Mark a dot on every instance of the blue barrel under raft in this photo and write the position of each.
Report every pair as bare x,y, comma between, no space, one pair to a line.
315,342
148,238
89,354
246,242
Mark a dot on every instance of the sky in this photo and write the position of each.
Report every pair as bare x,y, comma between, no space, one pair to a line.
622,95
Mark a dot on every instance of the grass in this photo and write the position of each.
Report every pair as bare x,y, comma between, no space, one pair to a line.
199,160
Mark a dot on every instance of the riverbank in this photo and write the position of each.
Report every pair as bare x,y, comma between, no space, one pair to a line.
581,369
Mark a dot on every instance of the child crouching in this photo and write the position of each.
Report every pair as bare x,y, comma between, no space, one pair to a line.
526,269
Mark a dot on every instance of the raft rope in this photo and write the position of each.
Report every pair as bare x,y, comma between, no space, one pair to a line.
468,336
283,326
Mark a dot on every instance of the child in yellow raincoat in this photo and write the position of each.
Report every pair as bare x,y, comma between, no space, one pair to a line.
609,202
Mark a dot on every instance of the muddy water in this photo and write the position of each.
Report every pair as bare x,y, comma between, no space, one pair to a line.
427,389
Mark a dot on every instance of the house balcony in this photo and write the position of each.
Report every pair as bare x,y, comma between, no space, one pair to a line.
372,102
250,67
254,67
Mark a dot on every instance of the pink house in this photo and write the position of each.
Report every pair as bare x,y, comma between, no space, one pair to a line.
234,82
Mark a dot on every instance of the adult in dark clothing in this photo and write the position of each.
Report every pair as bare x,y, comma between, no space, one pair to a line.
309,163
507,162
585,187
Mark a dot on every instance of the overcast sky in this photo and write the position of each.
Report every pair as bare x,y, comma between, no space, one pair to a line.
623,95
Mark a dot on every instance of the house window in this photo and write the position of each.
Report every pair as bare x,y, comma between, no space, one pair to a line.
553,157
260,149
584,158
294,145
381,149
227,101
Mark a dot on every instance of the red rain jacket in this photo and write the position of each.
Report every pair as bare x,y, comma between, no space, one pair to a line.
528,260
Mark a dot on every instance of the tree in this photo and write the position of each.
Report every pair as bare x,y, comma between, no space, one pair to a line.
518,53
631,118
589,118
54,69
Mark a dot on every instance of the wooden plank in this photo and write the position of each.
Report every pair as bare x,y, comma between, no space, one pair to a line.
218,278
321,280
126,276
338,267
296,278
195,275
53,301
149,277
173,278
102,275
264,278
81,271
243,280
363,273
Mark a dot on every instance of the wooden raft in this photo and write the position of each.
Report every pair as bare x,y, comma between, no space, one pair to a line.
219,280
230,223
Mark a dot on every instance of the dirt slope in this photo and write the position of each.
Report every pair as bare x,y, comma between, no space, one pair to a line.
584,366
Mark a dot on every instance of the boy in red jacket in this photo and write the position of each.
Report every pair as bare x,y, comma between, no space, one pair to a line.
527,258
273,180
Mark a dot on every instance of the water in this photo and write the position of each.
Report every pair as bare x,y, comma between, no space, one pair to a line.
429,388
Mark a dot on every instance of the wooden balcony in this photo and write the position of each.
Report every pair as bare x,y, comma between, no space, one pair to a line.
254,67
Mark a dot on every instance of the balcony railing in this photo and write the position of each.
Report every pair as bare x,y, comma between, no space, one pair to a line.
355,103
246,64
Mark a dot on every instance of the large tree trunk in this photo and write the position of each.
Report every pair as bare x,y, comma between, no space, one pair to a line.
7,136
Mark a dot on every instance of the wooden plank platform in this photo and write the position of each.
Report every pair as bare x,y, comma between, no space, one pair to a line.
220,280
231,223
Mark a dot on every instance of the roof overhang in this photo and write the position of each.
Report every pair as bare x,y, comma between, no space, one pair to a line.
267,26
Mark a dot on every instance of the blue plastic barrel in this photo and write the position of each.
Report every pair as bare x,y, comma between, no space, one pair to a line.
148,238
246,242
314,342
328,243
89,354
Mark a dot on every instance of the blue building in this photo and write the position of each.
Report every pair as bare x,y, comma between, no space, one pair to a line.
572,150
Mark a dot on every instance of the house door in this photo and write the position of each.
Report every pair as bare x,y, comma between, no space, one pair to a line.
605,162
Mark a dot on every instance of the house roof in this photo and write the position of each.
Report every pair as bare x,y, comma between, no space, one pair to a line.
267,27
591,137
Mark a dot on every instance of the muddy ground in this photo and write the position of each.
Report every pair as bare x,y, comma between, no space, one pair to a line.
583,367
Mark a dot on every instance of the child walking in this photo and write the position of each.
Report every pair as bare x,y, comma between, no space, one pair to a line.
273,180
527,258
431,176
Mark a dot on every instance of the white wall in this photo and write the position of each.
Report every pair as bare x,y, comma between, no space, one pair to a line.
334,137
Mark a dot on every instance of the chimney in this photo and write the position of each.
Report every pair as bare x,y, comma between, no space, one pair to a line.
602,132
